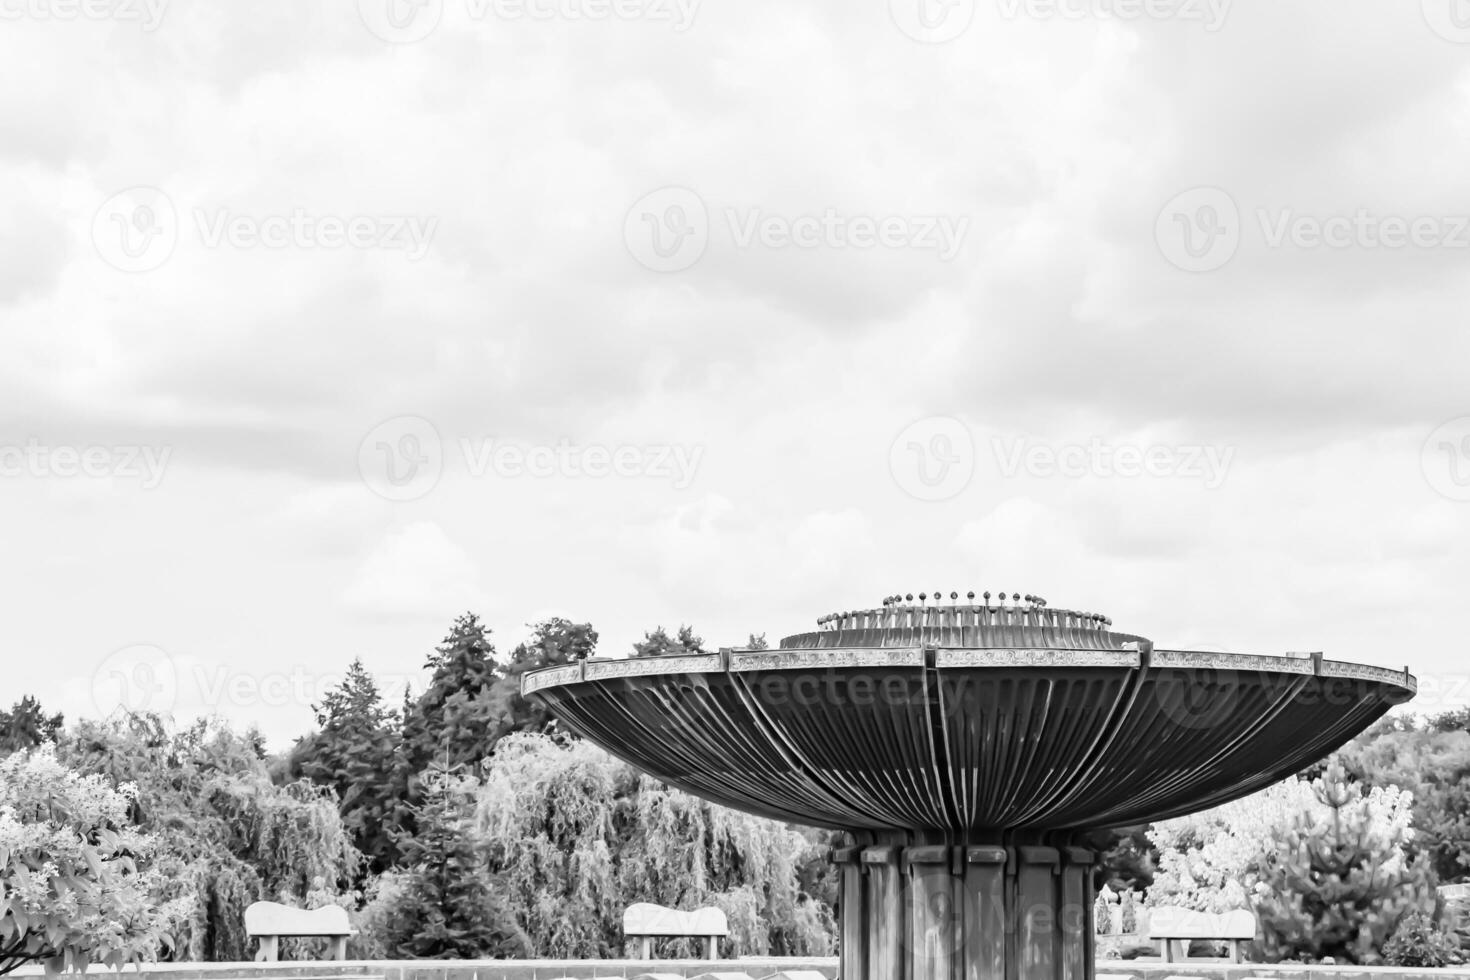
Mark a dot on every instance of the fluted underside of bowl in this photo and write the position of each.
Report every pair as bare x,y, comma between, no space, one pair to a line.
968,741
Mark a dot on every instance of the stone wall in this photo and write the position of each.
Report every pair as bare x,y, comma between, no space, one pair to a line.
1214,970
741,969
753,969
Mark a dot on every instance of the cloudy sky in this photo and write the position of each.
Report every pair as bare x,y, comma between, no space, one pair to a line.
324,321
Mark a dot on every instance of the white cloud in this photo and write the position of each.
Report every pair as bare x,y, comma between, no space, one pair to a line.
417,572
529,320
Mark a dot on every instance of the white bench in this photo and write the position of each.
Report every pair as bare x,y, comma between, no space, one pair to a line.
645,922
1168,923
270,921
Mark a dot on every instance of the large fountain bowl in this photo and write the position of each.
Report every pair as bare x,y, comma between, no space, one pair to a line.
965,720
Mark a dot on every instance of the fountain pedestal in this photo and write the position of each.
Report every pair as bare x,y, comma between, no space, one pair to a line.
965,912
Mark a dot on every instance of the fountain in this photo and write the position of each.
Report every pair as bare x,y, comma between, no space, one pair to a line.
968,747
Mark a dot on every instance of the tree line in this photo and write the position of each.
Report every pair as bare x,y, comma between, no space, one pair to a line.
461,823
458,823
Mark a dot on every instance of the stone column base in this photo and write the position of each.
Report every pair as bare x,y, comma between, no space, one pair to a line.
967,912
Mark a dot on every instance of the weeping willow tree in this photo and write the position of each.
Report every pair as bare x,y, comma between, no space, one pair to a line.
547,813
226,833
685,852
575,836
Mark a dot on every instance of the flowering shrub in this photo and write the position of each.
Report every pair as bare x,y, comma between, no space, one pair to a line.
74,887
1207,860
1213,861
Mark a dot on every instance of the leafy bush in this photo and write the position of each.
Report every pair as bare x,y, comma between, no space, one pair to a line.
1208,861
1417,941
374,921
1123,948
1457,920
75,886
1435,766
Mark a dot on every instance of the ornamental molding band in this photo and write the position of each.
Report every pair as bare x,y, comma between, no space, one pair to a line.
968,748
1037,658
538,679
703,663
820,659
1337,668
1196,660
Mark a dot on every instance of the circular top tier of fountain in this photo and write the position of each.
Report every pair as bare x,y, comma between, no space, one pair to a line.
967,621
968,716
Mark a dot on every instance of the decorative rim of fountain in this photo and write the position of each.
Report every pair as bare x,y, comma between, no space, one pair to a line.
908,631
739,660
